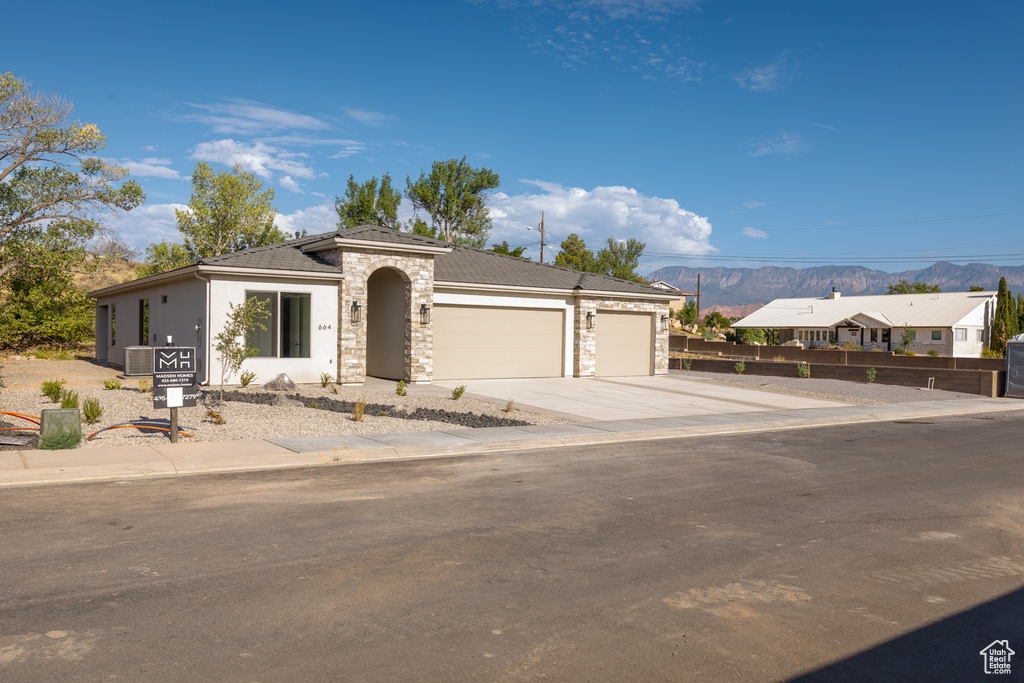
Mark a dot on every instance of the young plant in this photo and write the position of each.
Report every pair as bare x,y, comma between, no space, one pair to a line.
53,388
111,384
803,370
687,364
246,378
740,367
91,410
359,409
215,417
325,379
145,384
61,440
458,391
333,388
401,387
510,406
779,359
871,373
231,344
933,352
69,399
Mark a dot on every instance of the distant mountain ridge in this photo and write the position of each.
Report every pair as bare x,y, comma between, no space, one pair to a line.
740,286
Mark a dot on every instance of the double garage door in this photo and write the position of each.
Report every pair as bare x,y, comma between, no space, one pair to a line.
484,342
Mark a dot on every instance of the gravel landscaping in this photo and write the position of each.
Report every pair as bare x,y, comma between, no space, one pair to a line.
245,411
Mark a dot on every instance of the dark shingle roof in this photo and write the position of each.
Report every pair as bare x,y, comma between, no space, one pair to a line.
462,264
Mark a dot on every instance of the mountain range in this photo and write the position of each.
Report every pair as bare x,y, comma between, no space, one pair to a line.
732,288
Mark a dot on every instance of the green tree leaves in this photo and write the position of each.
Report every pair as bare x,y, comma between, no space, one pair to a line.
453,195
503,248
227,212
904,287
230,343
368,204
574,254
619,258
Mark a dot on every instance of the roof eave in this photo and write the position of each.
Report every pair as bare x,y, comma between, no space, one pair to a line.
338,242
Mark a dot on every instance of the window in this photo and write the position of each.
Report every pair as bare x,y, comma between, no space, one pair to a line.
288,326
113,324
936,335
913,335
163,298
143,322
885,335
979,335
874,334
960,334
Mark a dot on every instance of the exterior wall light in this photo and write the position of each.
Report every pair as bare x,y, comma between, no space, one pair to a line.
356,312
424,314
664,323
591,319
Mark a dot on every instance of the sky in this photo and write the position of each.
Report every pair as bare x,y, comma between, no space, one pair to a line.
740,134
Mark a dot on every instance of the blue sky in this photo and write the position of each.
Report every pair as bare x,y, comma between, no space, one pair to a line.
720,133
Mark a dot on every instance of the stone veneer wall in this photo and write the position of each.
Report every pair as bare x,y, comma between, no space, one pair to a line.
358,265
584,357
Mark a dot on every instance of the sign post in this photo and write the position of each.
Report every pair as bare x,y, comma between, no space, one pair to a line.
174,380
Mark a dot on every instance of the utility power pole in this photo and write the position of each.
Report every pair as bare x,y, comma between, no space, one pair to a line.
698,299
542,237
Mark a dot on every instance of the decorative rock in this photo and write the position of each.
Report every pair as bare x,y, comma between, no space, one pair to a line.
794,342
280,383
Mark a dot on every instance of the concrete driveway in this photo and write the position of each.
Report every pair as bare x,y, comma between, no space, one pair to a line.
625,398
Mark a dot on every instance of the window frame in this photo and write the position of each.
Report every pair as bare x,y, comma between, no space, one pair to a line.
276,321
936,338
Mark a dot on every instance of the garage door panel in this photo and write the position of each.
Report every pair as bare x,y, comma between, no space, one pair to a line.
625,343
483,342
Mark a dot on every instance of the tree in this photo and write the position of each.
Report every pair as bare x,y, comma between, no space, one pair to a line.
227,212
574,254
688,313
1001,327
503,248
53,197
368,204
976,288
717,320
453,195
621,258
1020,312
904,287
230,343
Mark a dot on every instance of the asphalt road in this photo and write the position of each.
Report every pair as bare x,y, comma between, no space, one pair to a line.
885,551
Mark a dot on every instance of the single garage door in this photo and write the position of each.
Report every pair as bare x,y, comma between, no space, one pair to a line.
484,342
624,344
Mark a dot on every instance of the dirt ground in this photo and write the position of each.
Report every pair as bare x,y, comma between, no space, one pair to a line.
25,372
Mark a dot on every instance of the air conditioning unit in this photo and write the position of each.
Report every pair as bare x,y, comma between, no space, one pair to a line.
138,360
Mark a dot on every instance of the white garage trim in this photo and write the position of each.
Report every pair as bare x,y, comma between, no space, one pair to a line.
490,342
625,342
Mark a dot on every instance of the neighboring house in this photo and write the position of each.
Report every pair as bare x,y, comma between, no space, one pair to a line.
953,323
372,301
680,302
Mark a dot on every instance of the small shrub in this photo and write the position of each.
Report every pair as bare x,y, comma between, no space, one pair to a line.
312,404
779,359
68,399
707,335
325,379
383,413
871,373
215,417
899,351
52,354
740,367
803,370
246,378
510,406
990,353
333,388
111,384
53,388
91,410
145,384
933,352
687,364
910,353
359,409
61,440
400,387
458,391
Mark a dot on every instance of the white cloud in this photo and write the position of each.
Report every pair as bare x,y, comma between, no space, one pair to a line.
234,116
256,157
149,223
150,167
754,233
149,148
369,118
767,77
786,142
288,183
596,215
314,220
754,205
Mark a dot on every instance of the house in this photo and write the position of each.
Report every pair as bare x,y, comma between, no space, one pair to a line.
368,301
680,302
952,323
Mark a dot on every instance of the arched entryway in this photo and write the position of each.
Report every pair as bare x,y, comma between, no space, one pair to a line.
387,324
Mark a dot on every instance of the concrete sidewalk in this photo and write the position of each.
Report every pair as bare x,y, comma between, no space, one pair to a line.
19,468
